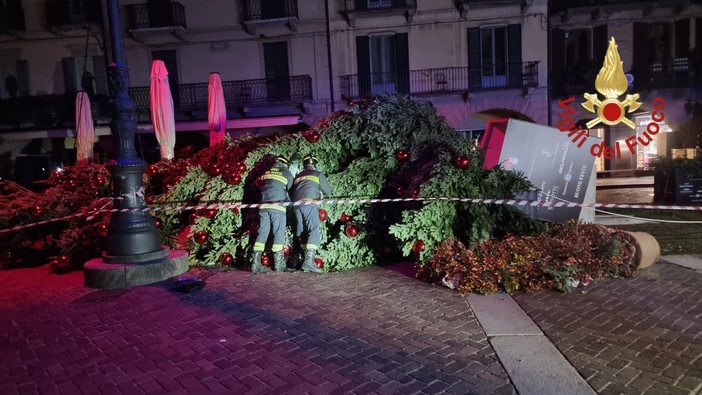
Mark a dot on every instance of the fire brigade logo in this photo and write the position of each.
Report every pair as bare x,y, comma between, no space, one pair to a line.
611,83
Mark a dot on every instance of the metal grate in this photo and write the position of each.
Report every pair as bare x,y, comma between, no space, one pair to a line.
101,296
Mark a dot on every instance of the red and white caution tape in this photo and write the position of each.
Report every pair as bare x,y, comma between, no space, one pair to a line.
239,205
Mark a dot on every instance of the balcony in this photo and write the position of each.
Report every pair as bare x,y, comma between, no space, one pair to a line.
157,22
464,6
676,73
440,81
48,111
379,8
11,17
238,95
259,13
65,15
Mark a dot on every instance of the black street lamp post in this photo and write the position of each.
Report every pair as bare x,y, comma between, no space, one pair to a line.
133,252
132,235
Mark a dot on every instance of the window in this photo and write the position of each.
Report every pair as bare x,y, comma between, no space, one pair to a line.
578,47
495,57
493,49
382,64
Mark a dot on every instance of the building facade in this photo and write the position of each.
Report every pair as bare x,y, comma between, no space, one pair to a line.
285,64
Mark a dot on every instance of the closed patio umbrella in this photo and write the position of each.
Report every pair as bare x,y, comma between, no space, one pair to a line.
162,114
85,131
216,110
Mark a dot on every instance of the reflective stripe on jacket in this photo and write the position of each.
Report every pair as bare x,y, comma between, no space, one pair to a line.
275,184
310,184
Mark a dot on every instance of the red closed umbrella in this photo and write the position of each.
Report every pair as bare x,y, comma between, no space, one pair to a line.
162,113
216,109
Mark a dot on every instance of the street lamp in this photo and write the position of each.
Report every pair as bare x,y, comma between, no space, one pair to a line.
133,252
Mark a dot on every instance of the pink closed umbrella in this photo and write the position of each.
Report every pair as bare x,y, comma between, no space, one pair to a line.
216,110
85,131
162,114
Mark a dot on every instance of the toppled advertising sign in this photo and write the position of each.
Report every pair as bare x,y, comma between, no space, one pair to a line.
554,165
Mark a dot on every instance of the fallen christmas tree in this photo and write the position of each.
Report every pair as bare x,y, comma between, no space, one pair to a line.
386,147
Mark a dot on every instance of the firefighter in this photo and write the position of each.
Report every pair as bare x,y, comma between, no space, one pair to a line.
309,185
275,187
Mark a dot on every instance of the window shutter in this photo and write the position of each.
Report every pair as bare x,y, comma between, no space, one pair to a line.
474,74
600,42
100,75
363,64
640,66
514,54
361,5
556,75
69,75
402,63
23,77
682,38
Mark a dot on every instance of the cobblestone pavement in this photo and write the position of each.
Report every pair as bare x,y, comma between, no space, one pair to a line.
373,330
629,336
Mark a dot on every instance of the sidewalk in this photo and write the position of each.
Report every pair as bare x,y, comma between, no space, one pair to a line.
373,330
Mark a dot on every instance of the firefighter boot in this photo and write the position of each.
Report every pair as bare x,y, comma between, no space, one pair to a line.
296,254
309,265
279,261
256,266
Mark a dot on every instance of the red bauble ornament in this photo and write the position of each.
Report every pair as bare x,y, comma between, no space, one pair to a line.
258,183
215,170
287,250
158,224
399,191
345,218
319,262
209,213
100,181
235,210
71,183
192,217
200,237
240,167
37,211
265,260
351,231
235,179
462,162
151,170
102,229
312,136
402,155
226,259
149,199
415,194
322,214
418,246
63,260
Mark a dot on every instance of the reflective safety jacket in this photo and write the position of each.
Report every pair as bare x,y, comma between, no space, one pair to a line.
310,184
275,184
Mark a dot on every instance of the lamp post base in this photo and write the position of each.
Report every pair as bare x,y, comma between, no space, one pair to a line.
100,274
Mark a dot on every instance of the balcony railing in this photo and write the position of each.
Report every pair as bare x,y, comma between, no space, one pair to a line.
259,10
661,75
143,16
73,12
441,80
31,112
11,16
295,89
